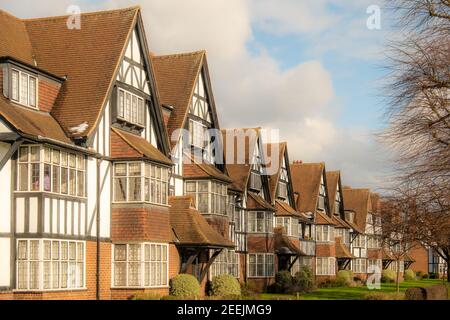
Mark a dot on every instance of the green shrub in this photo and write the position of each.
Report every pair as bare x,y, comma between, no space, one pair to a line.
409,275
225,285
146,296
184,286
344,278
388,276
384,296
303,281
433,275
425,276
419,274
283,282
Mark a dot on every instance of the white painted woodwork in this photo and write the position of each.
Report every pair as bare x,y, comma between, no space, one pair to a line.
4,128
20,215
5,192
5,259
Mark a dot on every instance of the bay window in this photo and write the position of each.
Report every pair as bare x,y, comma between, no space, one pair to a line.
140,265
290,225
24,88
130,107
227,262
50,264
344,233
210,196
373,242
260,222
324,233
51,170
374,263
261,265
140,182
255,181
325,266
359,265
360,241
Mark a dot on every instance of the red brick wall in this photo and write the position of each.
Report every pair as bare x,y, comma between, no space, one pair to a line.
259,284
242,267
260,243
48,92
325,249
146,223
420,255
374,254
86,294
1,80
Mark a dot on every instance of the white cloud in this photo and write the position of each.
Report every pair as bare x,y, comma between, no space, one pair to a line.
253,90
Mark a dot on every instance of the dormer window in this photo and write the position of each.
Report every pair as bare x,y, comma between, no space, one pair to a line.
337,202
282,190
322,196
23,88
197,134
349,216
130,107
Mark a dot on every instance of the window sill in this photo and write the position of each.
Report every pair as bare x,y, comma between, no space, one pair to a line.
260,277
59,195
139,288
48,290
140,203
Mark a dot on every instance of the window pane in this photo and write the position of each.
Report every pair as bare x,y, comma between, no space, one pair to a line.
55,156
127,106
141,111
120,252
120,188
72,161
121,104
72,182
15,85
64,180
190,186
56,179
23,154
35,156
32,91
80,183
23,88
23,177
47,177
134,189
35,172
134,169
134,110
64,158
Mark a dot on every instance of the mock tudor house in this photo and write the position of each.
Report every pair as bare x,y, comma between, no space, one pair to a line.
85,159
344,231
246,167
187,103
309,181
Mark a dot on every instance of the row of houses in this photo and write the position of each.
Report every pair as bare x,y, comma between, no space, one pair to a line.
116,176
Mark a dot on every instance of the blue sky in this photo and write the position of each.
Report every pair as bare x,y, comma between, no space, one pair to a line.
311,69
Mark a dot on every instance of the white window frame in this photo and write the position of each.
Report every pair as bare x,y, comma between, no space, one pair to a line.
344,233
359,265
41,260
47,158
219,196
324,230
147,178
227,262
197,134
127,115
261,259
325,266
142,262
290,226
20,86
266,222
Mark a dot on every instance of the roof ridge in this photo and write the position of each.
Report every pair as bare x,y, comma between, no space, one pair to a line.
3,11
91,13
180,54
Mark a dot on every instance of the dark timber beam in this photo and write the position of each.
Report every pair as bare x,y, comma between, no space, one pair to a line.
190,261
292,263
10,152
210,262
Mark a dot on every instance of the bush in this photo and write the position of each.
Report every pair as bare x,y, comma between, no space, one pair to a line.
283,282
425,276
388,276
344,278
383,296
409,275
433,275
146,296
184,286
419,274
303,281
225,285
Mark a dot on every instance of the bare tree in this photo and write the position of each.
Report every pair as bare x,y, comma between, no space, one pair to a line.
418,115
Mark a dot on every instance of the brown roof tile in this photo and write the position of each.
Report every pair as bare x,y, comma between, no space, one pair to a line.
204,170
306,182
284,246
341,250
387,255
256,202
190,228
176,76
142,146
88,56
332,183
32,122
273,179
322,218
357,200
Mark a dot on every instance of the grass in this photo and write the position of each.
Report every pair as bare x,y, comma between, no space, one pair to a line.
354,293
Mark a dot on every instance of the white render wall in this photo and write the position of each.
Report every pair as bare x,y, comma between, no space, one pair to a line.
5,191
5,260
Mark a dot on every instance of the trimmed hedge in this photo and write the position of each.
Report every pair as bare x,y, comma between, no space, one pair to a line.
435,292
225,285
184,286
409,275
344,278
388,276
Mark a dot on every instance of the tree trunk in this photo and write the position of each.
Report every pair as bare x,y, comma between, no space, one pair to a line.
448,270
398,276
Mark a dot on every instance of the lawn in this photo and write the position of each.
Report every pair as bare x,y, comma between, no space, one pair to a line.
354,293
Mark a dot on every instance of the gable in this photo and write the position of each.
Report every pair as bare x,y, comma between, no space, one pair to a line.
200,105
4,128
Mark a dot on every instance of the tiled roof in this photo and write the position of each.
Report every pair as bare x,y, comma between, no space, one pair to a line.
32,122
357,200
256,202
190,228
387,255
142,146
332,183
88,57
273,179
339,222
239,171
202,170
375,202
176,76
283,210
322,218
284,246
341,250
306,182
